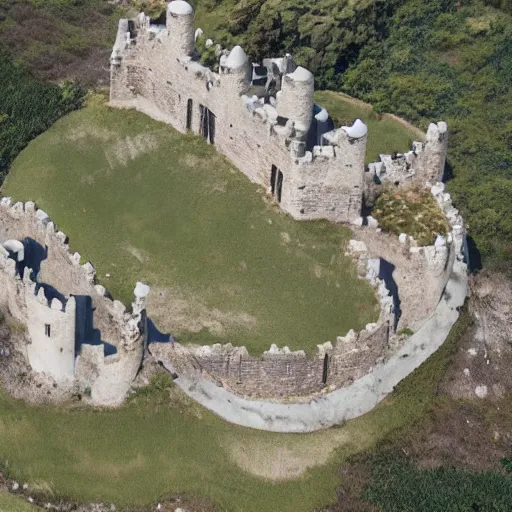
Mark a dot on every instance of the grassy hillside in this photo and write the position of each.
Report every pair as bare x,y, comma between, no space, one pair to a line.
10,503
60,39
144,202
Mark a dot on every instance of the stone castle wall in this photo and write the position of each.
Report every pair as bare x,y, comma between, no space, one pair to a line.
424,163
281,373
420,275
67,336
158,76
153,70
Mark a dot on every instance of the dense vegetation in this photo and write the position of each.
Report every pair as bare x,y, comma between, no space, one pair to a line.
444,62
414,212
424,61
397,486
60,39
28,107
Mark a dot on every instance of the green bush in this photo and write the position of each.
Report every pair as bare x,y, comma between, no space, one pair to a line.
28,107
207,54
414,212
397,486
157,391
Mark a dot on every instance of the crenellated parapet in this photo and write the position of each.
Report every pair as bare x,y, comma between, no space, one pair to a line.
281,373
262,116
424,163
76,333
415,267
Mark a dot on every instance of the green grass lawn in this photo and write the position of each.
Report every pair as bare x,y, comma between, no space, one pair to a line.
385,135
143,202
10,503
160,444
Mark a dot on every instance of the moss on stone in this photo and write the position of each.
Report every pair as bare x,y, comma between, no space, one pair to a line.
414,212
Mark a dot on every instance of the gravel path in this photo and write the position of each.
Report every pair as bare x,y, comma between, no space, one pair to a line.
346,403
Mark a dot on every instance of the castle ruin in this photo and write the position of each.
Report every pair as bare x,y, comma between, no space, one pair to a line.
262,116
75,334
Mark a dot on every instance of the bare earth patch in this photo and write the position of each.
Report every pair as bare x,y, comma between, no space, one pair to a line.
84,131
138,254
87,179
285,460
129,148
174,310
481,368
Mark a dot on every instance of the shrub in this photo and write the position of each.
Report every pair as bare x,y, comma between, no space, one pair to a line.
15,326
414,212
28,107
207,54
399,485
157,391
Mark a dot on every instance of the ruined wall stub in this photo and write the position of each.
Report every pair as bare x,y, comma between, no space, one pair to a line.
424,163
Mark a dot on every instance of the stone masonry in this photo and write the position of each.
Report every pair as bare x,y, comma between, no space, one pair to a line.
263,118
76,334
421,274
275,138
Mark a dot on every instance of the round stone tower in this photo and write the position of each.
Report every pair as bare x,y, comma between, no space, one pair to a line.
295,99
180,25
237,67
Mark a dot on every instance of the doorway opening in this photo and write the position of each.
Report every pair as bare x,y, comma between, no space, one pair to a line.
325,370
276,183
189,114
207,124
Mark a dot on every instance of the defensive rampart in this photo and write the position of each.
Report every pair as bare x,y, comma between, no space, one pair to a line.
76,334
281,373
273,135
418,276
419,165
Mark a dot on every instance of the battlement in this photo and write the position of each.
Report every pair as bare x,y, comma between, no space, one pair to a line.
415,267
262,116
281,373
424,163
66,314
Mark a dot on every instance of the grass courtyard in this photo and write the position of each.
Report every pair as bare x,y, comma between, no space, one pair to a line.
143,202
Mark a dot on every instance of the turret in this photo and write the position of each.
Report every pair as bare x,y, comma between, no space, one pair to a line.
434,152
237,65
180,25
295,99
